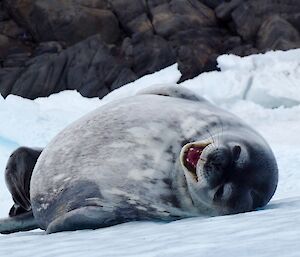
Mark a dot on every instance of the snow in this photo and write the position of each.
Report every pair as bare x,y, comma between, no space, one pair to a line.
262,89
262,79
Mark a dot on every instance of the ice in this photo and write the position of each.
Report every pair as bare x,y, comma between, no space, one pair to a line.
260,78
261,89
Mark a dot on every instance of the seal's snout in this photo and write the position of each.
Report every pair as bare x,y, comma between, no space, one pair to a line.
207,162
216,165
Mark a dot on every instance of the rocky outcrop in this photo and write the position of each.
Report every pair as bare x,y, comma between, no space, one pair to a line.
69,21
95,46
90,67
277,33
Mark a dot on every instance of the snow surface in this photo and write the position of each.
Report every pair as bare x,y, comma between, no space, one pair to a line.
248,87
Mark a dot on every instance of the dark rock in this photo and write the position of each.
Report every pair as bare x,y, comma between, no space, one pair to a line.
11,29
149,54
180,15
230,43
224,10
133,16
15,50
153,3
48,47
212,3
99,4
277,34
7,46
140,24
294,19
16,60
4,15
198,49
244,50
88,67
69,21
249,15
8,76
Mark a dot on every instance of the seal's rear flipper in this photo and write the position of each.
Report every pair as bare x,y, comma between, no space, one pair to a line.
172,91
17,176
22,222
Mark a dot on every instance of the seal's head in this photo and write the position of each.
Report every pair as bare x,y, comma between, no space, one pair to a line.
231,173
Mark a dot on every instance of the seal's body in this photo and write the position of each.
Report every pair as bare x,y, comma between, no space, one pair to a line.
151,157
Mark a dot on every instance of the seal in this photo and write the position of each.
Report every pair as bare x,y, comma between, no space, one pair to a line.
164,154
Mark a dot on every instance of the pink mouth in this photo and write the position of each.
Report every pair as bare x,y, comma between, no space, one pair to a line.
192,156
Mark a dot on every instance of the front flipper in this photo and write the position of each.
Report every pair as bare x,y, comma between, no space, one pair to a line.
172,91
17,176
89,217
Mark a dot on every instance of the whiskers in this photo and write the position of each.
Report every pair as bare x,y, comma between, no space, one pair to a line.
216,133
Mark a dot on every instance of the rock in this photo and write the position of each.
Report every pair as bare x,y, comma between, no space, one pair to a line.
19,10
4,15
276,33
11,29
148,54
8,76
99,4
212,3
244,50
224,10
153,3
133,15
294,19
68,21
48,47
179,15
16,60
7,45
198,49
88,67
249,15
230,43
15,50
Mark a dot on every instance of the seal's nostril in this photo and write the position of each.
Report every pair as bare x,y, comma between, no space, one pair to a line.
236,151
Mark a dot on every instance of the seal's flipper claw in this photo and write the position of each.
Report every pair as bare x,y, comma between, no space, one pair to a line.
22,222
17,176
16,210
176,91
90,217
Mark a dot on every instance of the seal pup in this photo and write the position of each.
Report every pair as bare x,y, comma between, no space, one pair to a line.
164,154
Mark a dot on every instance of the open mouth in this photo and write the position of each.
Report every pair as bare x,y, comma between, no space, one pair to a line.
190,155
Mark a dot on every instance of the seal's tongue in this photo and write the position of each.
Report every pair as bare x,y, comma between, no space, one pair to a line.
193,156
